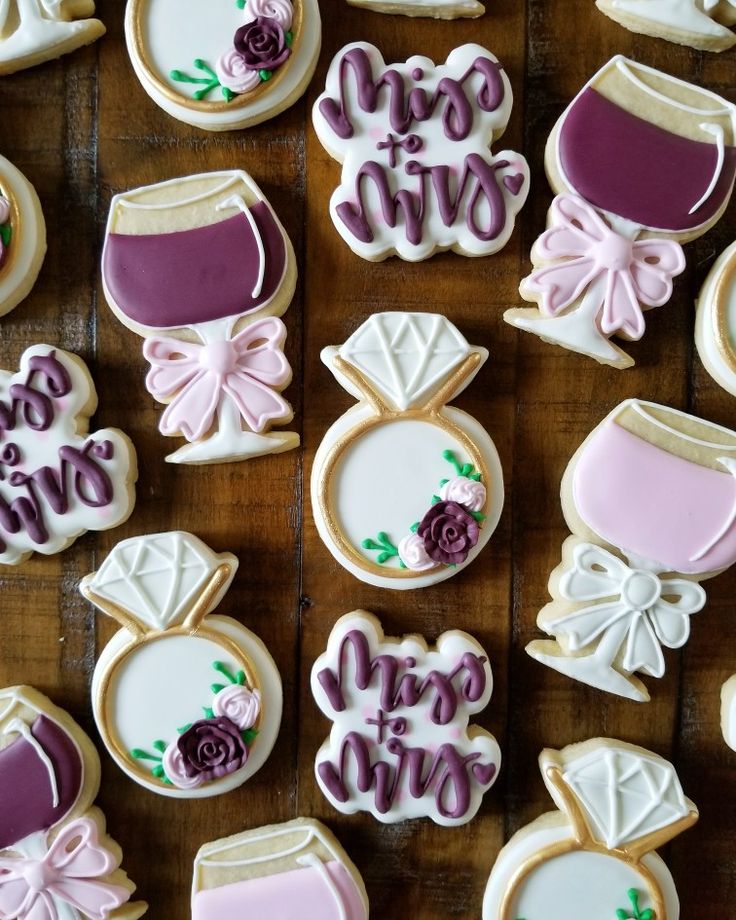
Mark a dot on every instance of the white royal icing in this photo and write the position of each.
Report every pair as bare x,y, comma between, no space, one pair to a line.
716,304
728,712
690,17
38,30
22,263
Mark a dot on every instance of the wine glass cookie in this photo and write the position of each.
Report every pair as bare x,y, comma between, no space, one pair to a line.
293,871
640,162
414,140
437,9
701,24
401,745
406,490
715,321
57,479
22,236
223,65
202,268
34,31
650,497
594,859
728,712
56,860
188,703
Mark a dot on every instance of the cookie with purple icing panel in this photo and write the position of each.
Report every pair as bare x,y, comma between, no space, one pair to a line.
223,66
294,871
595,857
414,140
58,479
202,268
700,24
401,746
640,162
55,856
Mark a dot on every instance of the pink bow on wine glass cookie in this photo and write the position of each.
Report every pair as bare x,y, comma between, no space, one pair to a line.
71,872
193,377
582,248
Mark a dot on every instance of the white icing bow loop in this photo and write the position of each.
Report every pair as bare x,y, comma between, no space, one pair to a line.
652,611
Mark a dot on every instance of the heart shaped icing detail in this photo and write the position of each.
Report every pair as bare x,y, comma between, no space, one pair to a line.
484,772
514,183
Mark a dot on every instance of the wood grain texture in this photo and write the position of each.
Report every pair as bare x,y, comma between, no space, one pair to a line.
82,129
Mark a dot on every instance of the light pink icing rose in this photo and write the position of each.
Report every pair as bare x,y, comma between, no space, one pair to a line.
239,704
413,554
233,73
173,764
466,492
280,10
4,210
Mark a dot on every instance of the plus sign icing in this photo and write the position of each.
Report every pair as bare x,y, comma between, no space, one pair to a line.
414,141
400,745
650,497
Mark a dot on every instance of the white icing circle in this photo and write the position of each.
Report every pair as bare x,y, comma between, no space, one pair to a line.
166,683
641,590
28,242
176,32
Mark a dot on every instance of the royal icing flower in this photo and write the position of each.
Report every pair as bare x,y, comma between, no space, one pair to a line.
239,704
173,764
279,10
414,555
449,532
469,493
212,748
262,43
234,74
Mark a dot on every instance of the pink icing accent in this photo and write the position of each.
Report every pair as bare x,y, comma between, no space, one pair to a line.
300,894
239,704
193,378
71,871
233,73
279,10
582,248
4,209
173,764
647,501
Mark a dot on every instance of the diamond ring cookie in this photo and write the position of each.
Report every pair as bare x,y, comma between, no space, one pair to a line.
406,490
56,860
640,162
34,31
188,703
223,65
22,236
595,857
715,321
401,745
202,268
57,479
414,140
650,497
702,24
293,871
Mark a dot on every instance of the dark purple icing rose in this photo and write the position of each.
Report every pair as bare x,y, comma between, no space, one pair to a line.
262,44
212,748
449,533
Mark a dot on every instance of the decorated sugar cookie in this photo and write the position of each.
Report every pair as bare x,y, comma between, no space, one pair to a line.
223,64
641,162
401,745
715,322
34,31
57,480
650,497
414,140
701,24
56,861
437,9
728,712
187,703
22,236
405,489
202,269
594,859
293,871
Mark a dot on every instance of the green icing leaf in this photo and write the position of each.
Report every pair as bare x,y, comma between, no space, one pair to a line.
6,231
435,499
240,4
265,74
158,771
225,671
289,39
140,754
240,678
415,527
479,516
160,745
476,477
383,557
370,544
383,545
467,469
208,82
215,688
208,713
249,736
184,728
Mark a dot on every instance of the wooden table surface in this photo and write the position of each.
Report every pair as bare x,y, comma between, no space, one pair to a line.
82,129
